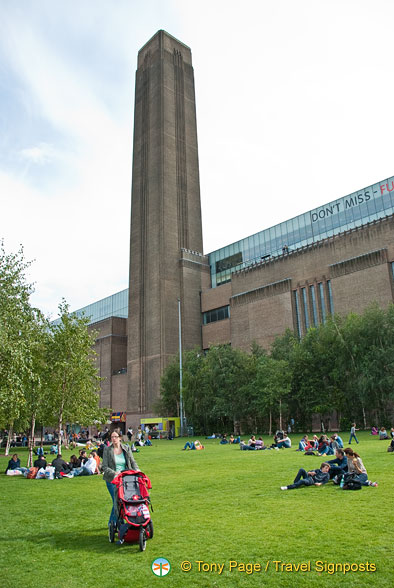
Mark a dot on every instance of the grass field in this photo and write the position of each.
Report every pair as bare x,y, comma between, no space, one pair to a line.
215,506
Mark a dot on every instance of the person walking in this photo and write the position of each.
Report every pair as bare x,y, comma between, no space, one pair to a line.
117,457
353,434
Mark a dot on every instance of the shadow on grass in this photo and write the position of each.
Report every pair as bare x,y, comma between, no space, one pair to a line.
93,541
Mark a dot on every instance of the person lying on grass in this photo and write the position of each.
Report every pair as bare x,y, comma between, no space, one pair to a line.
194,445
311,478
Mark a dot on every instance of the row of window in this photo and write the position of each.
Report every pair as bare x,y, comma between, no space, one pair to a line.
115,305
348,212
218,314
312,304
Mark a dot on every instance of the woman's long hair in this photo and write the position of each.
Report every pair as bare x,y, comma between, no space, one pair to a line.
349,451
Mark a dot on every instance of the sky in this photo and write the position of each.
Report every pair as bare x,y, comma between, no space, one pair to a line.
294,109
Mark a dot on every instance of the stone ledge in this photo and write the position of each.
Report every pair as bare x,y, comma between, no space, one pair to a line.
356,264
266,291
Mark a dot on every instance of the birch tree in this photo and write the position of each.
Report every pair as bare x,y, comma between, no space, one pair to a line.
72,380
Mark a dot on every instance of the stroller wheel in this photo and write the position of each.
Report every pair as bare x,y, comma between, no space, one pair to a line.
142,539
149,528
111,532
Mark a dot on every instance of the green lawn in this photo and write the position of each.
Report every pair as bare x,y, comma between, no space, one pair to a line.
212,506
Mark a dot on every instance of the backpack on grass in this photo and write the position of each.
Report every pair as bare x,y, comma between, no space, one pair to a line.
351,482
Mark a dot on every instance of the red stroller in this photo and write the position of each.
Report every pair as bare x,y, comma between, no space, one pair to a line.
132,502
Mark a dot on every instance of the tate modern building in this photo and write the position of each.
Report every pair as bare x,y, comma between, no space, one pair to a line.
336,258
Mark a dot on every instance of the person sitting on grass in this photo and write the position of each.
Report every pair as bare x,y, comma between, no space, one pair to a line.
338,440
224,440
251,446
305,444
60,466
315,442
383,434
356,466
40,462
285,443
234,440
86,469
252,442
193,445
333,443
15,464
53,449
82,456
338,466
374,431
259,443
97,460
40,450
74,462
312,478
90,467
323,448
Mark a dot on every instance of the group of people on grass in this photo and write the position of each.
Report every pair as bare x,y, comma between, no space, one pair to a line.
322,445
281,441
383,435
346,461
83,465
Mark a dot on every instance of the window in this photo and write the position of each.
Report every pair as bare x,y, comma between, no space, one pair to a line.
330,300
322,302
218,314
297,310
314,306
305,306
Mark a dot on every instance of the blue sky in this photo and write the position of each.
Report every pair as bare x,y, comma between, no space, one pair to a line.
294,109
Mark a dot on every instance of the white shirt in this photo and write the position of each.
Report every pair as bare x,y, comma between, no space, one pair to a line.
91,465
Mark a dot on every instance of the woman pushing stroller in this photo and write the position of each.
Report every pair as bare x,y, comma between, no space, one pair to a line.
117,457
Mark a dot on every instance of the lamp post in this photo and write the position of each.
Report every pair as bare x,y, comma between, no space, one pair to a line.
180,367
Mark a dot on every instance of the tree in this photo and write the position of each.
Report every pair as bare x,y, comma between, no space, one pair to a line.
19,326
71,377
168,403
226,377
369,345
272,384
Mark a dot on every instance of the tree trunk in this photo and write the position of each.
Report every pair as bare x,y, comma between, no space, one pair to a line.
31,440
270,424
280,415
60,423
364,417
65,439
10,433
59,437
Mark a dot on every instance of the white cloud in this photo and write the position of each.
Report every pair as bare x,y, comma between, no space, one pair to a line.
293,110
40,154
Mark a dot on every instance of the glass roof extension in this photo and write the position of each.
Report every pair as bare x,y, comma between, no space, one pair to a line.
348,212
